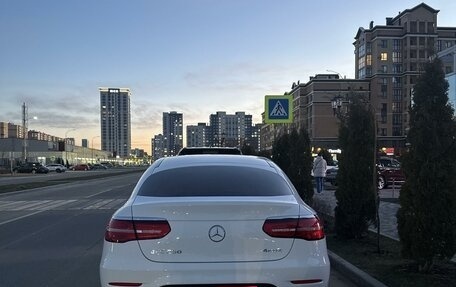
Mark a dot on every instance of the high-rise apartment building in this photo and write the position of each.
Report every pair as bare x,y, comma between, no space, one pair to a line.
391,56
115,121
173,137
3,130
157,147
197,135
229,130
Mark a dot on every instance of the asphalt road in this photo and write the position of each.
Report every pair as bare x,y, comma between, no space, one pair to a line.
53,236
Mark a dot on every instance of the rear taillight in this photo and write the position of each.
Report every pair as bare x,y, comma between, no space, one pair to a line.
303,228
120,231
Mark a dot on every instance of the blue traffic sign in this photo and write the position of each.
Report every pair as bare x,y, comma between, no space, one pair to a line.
278,109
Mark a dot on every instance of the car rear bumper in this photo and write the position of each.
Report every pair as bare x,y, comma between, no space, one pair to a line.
125,263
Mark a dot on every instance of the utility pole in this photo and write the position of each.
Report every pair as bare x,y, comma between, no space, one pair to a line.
25,131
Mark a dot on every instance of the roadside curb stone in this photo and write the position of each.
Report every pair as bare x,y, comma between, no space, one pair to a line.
352,272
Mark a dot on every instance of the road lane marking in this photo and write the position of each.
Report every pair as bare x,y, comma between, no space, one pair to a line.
39,206
67,204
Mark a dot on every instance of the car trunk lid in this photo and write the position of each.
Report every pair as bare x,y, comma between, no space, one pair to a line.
215,229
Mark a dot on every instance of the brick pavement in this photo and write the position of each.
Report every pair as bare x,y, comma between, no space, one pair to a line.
325,203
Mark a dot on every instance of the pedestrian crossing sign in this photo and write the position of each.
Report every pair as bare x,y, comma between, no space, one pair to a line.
278,109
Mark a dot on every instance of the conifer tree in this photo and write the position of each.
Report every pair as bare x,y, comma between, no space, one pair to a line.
356,192
427,216
301,164
281,152
291,152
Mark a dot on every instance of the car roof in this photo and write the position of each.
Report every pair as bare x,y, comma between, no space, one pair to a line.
213,160
209,150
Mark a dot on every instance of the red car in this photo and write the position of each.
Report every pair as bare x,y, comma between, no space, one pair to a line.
389,172
80,167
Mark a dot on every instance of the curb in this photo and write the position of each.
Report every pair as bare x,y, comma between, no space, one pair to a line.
353,273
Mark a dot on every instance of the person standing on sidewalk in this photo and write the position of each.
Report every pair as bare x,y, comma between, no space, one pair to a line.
319,171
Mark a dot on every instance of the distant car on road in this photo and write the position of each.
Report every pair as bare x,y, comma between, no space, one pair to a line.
107,164
99,166
80,167
214,220
31,167
56,167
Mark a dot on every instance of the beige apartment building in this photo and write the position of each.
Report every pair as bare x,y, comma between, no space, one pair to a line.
388,60
313,106
313,109
391,57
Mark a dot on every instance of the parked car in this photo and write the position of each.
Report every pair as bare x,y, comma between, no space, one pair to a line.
389,172
99,166
107,164
56,167
31,167
214,220
209,150
331,175
80,167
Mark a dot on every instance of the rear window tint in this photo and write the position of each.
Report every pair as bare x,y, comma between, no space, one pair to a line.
214,181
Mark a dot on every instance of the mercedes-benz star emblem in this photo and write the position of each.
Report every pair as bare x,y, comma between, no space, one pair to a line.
216,233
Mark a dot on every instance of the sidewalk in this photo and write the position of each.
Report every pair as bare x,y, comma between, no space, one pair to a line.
325,203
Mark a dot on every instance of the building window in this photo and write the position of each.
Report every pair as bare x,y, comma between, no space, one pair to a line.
397,107
397,82
396,44
439,45
397,57
361,63
369,60
397,95
384,43
384,113
413,54
413,41
362,50
397,131
384,56
413,27
361,73
422,54
384,69
384,91
430,27
397,119
421,27
397,68
422,41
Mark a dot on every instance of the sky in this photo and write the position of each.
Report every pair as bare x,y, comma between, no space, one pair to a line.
195,57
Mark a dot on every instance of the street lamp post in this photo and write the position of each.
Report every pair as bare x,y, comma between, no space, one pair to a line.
66,148
92,147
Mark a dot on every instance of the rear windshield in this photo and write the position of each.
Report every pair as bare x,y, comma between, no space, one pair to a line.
214,181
